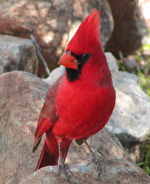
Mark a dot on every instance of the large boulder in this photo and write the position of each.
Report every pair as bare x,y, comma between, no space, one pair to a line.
51,22
130,120
116,172
129,27
17,54
22,95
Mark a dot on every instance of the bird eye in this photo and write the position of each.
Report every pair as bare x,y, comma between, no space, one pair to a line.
85,56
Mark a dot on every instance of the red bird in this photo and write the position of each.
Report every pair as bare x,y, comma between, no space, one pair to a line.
81,101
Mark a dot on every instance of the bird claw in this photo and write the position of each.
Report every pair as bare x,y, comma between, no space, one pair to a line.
64,169
98,164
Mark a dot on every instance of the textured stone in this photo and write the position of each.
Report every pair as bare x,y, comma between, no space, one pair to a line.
130,64
17,54
21,97
116,172
111,62
55,74
51,22
130,119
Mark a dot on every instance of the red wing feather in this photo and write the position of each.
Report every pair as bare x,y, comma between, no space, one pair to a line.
48,115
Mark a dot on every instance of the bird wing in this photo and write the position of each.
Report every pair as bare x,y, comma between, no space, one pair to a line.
48,115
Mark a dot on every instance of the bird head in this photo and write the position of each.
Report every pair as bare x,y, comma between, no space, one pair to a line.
84,43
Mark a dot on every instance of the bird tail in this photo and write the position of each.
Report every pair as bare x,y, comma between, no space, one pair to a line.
49,154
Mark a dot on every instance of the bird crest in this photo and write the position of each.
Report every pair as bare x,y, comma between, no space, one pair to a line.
87,35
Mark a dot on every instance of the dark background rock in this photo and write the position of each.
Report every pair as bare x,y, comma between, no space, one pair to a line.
107,23
17,54
129,27
130,64
51,22
54,22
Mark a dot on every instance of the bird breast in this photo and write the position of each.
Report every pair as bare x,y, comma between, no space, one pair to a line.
83,110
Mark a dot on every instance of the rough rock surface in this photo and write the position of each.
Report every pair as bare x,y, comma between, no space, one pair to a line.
129,26
116,172
130,64
17,54
21,98
55,74
130,120
51,22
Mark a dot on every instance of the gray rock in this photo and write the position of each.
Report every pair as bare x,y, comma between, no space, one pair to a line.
130,64
130,120
107,23
21,98
55,74
17,54
112,62
114,172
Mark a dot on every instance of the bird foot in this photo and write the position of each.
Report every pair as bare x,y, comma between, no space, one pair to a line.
98,164
64,169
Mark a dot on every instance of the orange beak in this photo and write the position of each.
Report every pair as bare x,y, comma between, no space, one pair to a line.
68,61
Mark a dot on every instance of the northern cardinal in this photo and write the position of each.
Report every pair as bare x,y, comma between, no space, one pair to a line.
81,101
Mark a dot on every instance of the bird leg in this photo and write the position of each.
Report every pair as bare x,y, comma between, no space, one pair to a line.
94,159
62,167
